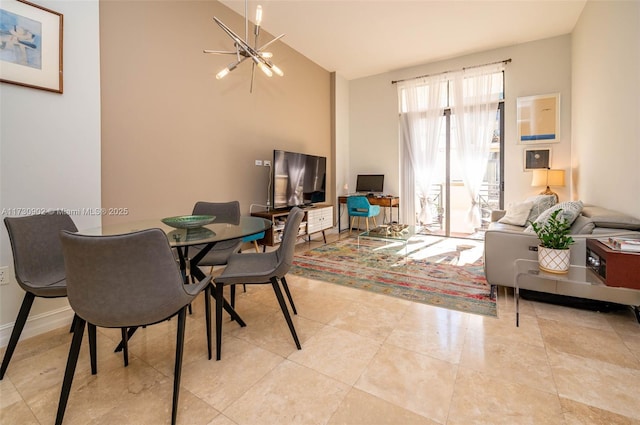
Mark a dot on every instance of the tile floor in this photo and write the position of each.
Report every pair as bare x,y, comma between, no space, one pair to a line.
365,359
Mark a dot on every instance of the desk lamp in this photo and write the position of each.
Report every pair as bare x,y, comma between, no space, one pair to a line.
547,177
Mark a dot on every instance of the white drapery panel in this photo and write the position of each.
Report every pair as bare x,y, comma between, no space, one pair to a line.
474,106
421,104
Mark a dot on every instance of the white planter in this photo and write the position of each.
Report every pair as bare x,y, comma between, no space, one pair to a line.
553,260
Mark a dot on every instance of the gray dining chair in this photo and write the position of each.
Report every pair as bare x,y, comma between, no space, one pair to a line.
262,268
225,212
123,281
38,264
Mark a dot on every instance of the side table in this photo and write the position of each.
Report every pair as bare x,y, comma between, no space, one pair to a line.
580,282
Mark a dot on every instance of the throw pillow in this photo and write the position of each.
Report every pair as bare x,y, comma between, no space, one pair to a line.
583,225
517,214
570,211
541,203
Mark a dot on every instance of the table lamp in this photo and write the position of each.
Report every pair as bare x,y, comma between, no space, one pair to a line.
547,177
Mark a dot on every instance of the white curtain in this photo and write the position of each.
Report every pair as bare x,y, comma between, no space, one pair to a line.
475,97
421,103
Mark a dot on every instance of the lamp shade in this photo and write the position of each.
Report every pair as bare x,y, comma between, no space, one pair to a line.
555,177
545,177
539,177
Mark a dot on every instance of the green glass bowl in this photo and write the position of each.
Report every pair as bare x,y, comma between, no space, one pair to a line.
188,221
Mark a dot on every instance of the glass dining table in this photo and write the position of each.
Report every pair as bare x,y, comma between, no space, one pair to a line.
206,237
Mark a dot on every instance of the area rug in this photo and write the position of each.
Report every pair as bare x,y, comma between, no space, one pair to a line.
444,272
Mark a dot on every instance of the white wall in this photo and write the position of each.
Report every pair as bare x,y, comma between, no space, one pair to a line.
538,67
340,94
50,152
606,99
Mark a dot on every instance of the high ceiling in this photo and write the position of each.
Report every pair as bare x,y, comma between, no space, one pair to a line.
368,37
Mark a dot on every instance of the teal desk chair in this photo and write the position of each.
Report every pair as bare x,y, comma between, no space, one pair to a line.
359,206
254,239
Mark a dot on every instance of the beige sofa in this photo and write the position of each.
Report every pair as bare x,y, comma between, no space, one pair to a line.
505,243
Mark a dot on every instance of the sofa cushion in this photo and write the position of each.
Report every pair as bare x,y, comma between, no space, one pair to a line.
603,217
517,213
582,226
497,226
541,203
570,212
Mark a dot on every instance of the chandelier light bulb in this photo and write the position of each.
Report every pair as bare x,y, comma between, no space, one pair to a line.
258,15
220,75
266,55
265,69
277,71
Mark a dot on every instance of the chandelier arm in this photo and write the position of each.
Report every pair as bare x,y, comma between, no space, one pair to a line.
240,43
239,61
246,19
221,52
269,43
253,70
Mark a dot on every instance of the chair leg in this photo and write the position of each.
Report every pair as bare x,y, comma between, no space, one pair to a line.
177,373
286,291
207,310
27,302
129,335
91,330
353,219
232,294
73,324
366,219
125,345
219,287
255,244
375,223
285,310
72,361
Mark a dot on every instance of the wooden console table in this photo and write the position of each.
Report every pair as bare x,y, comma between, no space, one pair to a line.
316,219
383,201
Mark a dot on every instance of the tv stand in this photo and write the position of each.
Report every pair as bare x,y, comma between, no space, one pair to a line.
316,219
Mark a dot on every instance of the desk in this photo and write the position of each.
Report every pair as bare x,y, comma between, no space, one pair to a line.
383,201
182,239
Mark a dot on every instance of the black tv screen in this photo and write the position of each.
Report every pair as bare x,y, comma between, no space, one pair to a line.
298,179
370,183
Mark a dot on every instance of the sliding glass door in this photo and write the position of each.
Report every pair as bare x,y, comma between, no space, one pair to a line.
451,144
448,201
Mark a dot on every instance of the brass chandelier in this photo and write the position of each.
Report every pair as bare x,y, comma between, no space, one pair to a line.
243,51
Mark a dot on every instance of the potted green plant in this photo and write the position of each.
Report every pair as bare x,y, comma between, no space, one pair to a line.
553,251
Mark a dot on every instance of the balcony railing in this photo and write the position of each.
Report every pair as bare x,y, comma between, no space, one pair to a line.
489,199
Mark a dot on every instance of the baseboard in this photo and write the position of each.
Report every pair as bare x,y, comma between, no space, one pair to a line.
38,324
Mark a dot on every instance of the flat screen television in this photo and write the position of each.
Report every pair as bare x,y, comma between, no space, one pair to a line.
298,179
370,183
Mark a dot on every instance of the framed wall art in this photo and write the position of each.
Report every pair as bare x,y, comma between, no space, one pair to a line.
538,119
30,45
537,158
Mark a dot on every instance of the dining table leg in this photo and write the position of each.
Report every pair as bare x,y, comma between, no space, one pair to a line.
195,271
